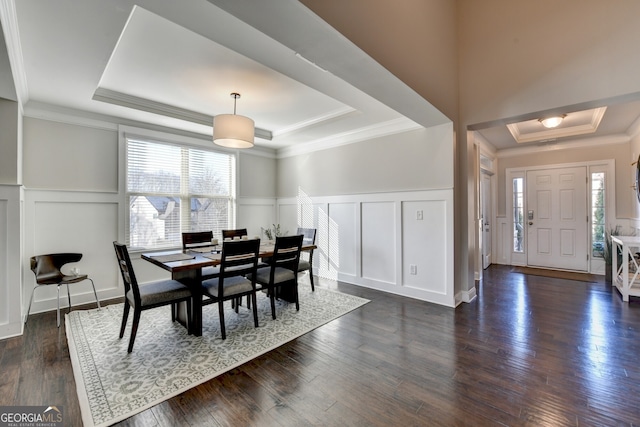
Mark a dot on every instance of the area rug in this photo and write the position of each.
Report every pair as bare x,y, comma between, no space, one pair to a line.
113,385
559,274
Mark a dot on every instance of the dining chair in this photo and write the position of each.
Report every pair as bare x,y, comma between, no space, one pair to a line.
239,259
196,239
200,239
230,234
306,257
147,296
280,276
48,271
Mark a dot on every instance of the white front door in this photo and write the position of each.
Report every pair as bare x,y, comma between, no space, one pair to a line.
485,198
556,218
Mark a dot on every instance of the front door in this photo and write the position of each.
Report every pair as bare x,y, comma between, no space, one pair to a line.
556,218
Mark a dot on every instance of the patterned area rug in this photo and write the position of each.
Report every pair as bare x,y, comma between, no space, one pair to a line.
113,385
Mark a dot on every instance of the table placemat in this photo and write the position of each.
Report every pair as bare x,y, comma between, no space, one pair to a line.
212,256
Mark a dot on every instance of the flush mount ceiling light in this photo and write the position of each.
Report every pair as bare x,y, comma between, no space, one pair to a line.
552,122
232,130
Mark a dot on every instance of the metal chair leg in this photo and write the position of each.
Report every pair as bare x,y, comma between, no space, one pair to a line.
69,299
94,291
58,311
33,291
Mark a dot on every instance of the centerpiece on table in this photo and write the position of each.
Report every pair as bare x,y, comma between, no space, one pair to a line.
273,232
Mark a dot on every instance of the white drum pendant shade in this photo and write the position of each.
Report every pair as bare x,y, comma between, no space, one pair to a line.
233,131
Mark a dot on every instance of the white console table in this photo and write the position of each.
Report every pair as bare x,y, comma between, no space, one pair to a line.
627,283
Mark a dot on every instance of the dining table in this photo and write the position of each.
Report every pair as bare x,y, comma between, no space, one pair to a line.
186,266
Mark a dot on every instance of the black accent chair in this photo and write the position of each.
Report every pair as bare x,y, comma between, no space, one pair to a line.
306,257
239,259
230,234
47,269
280,277
147,296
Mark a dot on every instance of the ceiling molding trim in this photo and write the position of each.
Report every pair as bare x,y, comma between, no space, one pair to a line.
585,143
58,114
561,132
390,127
332,115
163,135
142,104
9,20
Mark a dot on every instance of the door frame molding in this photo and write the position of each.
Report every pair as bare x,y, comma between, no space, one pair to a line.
520,258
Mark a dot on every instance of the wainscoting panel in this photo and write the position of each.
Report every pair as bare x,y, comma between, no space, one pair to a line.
72,222
372,240
422,236
340,237
11,199
378,231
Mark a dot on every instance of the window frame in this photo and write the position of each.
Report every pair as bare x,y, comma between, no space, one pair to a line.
189,142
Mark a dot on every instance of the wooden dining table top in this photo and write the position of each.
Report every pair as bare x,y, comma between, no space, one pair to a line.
188,259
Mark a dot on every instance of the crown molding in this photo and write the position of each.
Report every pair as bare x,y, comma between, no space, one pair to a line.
9,21
377,130
562,132
332,115
584,143
118,98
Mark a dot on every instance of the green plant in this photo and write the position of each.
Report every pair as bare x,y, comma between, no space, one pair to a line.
273,232
608,248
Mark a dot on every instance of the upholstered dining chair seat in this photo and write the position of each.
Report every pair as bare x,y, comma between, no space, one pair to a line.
304,265
147,296
281,275
232,286
160,292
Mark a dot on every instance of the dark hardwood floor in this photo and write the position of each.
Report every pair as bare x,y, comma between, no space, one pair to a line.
528,351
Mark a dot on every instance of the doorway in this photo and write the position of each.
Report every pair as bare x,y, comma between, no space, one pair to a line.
556,218
486,215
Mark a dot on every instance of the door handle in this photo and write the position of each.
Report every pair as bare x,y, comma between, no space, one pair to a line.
530,222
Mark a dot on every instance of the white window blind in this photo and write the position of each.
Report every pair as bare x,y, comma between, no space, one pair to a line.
174,188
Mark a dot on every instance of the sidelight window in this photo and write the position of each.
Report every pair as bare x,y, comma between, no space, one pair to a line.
518,214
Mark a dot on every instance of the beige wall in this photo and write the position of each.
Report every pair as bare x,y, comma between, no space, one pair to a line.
415,160
10,142
257,176
618,152
414,39
526,56
69,157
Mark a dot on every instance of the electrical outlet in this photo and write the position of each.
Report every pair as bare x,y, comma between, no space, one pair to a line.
414,269
419,215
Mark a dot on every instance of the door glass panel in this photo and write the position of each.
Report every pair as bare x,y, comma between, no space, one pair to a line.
518,214
597,214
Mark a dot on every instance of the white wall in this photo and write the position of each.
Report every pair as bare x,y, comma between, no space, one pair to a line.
363,199
372,240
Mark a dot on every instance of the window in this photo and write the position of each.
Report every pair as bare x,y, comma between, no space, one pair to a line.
173,188
518,214
598,220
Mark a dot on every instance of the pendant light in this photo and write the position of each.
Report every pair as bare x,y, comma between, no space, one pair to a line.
233,130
